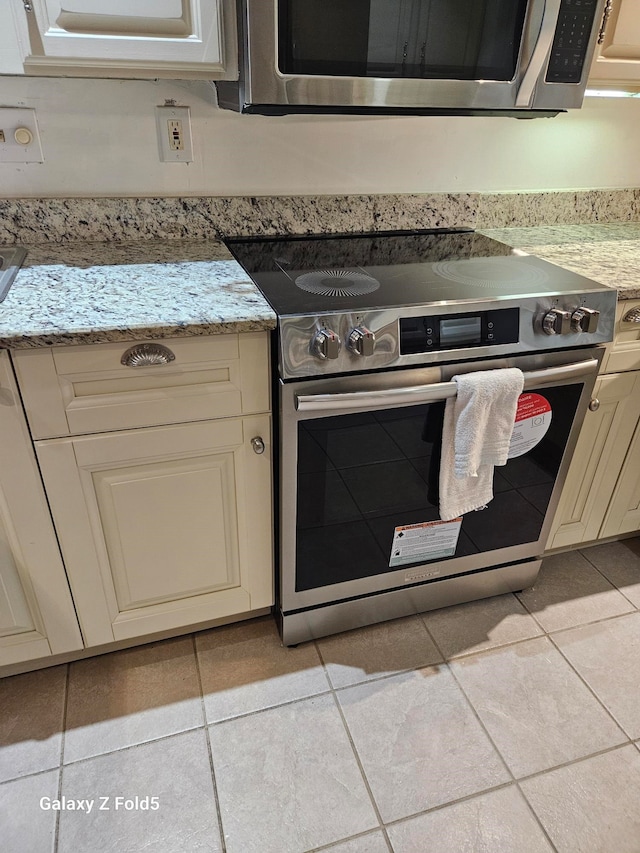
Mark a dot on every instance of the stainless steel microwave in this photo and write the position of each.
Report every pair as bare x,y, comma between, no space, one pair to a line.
457,57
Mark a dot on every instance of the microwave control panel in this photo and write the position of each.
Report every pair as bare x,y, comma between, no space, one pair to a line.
575,22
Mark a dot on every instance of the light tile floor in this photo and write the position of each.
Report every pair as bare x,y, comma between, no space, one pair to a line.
510,725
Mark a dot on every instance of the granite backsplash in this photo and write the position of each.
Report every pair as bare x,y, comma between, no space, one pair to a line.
115,219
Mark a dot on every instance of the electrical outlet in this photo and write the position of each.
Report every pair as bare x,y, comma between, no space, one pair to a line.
174,134
19,136
176,137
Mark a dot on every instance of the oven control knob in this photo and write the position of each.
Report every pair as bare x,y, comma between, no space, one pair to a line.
326,344
361,341
584,320
556,322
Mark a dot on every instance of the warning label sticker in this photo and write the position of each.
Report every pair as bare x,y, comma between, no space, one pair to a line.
430,540
533,419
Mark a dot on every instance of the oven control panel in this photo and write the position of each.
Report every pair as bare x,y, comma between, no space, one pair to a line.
333,343
446,332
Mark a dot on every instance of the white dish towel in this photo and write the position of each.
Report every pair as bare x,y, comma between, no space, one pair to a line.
476,433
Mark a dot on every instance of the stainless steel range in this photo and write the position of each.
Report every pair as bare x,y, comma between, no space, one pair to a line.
371,330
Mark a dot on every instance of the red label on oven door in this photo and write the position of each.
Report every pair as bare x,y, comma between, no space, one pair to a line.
533,419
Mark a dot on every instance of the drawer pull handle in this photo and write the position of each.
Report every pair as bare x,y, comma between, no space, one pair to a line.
632,316
258,444
594,404
146,355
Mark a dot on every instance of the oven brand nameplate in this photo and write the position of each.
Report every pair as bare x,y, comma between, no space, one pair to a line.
420,575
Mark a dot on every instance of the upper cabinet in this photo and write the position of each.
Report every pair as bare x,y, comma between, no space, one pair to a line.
128,38
11,57
617,61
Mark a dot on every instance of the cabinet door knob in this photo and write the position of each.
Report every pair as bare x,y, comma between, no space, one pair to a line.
258,444
594,405
145,355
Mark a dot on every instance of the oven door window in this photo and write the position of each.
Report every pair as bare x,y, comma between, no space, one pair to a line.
437,39
362,476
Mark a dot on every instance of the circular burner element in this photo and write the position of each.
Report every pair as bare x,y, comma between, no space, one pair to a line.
491,272
337,283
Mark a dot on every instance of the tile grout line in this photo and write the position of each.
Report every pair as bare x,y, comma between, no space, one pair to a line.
515,783
491,741
534,814
602,621
465,655
216,799
467,700
29,775
615,586
467,798
591,690
580,624
128,747
573,761
354,750
349,838
65,709
550,635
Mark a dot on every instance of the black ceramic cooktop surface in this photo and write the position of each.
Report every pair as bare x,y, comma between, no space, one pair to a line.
368,271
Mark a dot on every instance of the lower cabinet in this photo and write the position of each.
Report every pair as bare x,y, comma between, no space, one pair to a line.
37,617
164,527
623,514
601,496
138,498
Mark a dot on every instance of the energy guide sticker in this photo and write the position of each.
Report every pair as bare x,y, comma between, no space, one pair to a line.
430,540
533,419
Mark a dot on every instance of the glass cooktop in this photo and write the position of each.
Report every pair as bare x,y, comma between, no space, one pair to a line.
365,271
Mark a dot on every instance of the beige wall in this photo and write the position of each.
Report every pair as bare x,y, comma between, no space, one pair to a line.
99,139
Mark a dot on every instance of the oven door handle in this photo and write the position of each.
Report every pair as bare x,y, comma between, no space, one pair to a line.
387,399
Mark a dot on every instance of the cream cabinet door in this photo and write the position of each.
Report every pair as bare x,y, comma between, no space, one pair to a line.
623,515
139,38
37,617
597,461
163,527
617,60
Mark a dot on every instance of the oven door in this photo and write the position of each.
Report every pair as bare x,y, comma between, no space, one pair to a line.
421,55
359,465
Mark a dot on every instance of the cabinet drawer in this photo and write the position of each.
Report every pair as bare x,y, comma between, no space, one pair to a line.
73,390
624,353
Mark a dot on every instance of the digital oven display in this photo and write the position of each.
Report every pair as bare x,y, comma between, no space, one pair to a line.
460,332
447,332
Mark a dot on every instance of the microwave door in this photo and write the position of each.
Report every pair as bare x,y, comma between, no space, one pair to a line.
414,39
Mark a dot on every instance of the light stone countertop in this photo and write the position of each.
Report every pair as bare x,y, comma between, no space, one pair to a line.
134,290
99,292
609,254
